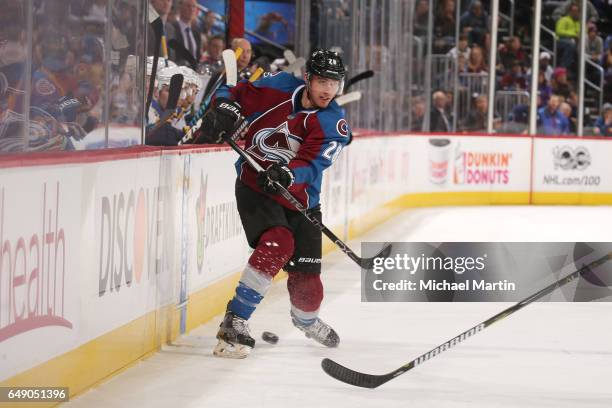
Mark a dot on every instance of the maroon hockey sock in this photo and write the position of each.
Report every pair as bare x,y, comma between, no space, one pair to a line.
305,291
274,249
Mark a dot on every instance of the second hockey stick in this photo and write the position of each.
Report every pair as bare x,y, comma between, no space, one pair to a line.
352,377
365,263
174,93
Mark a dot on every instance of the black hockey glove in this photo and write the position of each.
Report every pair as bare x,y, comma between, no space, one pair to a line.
219,120
275,172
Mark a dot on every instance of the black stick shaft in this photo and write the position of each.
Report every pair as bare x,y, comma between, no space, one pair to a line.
356,378
298,206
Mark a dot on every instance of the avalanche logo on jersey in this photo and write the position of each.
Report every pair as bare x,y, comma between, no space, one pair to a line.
276,145
342,128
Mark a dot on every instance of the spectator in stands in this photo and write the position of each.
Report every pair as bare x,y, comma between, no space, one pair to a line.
511,52
594,44
418,114
210,26
55,78
519,119
573,101
444,26
550,120
421,18
247,53
568,33
186,32
514,80
475,23
544,89
566,110
563,9
544,67
462,62
461,48
162,7
603,124
438,119
243,62
476,119
211,58
559,84
476,63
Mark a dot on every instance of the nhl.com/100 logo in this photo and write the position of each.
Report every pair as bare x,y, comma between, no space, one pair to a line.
568,158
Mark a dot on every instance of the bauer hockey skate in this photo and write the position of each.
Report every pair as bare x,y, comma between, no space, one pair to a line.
318,330
235,341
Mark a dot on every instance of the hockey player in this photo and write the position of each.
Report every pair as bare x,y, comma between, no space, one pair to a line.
296,131
170,133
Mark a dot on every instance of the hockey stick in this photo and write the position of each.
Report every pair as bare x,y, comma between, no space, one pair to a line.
231,67
348,98
358,379
174,92
289,56
294,64
158,29
365,263
189,132
359,77
256,74
230,73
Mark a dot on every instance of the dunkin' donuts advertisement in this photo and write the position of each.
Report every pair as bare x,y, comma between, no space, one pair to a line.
477,163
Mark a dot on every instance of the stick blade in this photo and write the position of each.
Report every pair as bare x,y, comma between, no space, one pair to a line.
346,375
289,56
348,98
174,91
231,67
368,263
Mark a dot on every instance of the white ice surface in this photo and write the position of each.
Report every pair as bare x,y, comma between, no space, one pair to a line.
546,355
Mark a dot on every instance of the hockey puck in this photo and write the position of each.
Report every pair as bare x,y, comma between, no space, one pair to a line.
269,337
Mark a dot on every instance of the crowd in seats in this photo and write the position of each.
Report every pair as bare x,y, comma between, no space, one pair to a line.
79,83
558,73
68,70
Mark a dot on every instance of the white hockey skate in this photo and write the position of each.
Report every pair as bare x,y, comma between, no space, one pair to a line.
235,341
319,331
